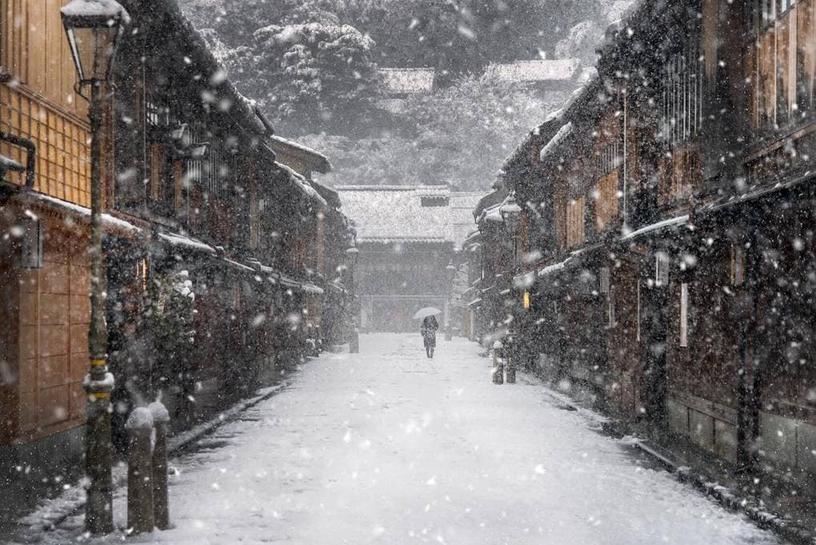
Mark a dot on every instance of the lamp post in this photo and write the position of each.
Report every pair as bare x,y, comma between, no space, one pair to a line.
511,212
450,272
93,29
352,255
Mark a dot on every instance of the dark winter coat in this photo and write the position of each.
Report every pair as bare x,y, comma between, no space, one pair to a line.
428,330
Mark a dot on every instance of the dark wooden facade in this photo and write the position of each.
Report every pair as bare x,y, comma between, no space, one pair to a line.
193,190
671,204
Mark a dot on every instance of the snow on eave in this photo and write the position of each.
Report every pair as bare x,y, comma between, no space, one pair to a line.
524,280
303,184
429,189
492,214
562,134
239,266
393,239
320,162
556,267
107,219
670,222
176,239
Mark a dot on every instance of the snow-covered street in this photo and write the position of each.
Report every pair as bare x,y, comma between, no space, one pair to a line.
389,447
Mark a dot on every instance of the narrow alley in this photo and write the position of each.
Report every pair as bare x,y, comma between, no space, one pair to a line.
387,446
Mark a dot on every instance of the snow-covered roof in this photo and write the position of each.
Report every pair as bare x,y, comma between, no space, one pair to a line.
176,239
196,48
107,219
556,140
395,213
660,225
239,266
554,268
524,281
406,81
304,185
536,70
493,214
318,161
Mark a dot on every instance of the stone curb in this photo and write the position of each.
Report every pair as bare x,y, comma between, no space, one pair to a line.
55,511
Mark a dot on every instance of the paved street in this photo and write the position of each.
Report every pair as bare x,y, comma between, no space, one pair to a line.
389,447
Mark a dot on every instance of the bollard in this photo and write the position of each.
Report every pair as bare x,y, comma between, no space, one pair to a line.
161,510
498,364
140,471
354,344
510,371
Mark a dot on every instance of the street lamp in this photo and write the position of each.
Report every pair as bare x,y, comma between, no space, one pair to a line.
511,214
94,28
450,272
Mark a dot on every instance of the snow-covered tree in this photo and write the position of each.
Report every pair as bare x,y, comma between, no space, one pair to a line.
477,120
307,75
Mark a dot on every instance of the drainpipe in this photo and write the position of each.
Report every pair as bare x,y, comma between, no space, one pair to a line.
625,152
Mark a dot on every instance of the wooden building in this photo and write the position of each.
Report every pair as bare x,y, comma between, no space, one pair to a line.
329,313
44,273
204,229
405,241
671,203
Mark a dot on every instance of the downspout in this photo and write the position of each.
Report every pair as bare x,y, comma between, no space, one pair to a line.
625,154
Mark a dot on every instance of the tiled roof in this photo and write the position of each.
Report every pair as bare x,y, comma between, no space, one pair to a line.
532,71
398,81
317,160
396,214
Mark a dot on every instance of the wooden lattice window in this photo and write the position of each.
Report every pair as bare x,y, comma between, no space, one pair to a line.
575,222
682,112
786,62
606,200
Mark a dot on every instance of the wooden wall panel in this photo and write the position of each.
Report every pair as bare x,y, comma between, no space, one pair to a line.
63,151
606,201
33,48
806,53
575,222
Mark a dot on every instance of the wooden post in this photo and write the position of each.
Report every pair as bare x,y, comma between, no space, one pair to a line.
510,363
161,510
140,471
498,363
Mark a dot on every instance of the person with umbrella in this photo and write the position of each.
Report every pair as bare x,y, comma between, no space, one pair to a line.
429,327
